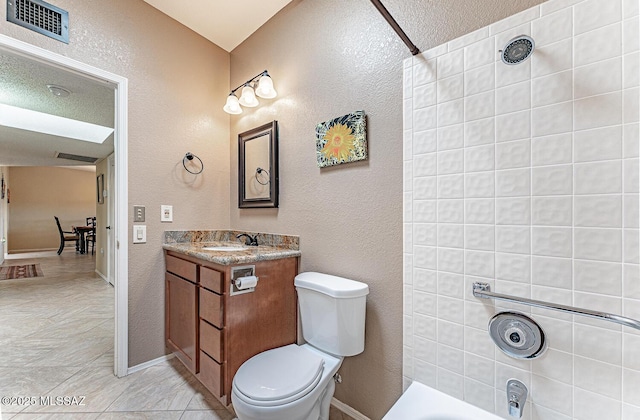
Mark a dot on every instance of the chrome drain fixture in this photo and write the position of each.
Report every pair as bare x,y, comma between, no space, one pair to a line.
517,335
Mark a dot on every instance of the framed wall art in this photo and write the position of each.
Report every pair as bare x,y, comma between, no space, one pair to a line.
342,140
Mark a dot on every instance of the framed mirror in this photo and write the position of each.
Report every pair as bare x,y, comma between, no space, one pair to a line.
100,188
258,167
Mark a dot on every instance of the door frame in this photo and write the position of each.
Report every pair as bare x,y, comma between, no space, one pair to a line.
120,84
111,249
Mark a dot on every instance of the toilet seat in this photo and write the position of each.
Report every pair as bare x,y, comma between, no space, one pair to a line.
278,376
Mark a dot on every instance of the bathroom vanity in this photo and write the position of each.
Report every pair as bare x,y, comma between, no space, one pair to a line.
210,325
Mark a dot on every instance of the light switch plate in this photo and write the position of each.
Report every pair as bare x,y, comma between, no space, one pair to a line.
166,213
138,214
139,234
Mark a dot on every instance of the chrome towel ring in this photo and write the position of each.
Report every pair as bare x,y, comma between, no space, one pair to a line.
189,157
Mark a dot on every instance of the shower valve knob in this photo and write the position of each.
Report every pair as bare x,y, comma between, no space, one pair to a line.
514,409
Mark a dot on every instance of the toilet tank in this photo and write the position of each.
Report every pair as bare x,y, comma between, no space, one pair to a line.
332,312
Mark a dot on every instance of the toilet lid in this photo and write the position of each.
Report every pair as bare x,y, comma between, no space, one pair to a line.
279,373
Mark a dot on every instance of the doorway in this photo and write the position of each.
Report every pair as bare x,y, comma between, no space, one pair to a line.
119,222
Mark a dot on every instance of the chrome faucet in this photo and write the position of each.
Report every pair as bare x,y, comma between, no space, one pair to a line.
250,240
517,394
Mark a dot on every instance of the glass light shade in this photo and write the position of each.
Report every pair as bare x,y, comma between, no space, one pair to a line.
232,106
248,97
265,88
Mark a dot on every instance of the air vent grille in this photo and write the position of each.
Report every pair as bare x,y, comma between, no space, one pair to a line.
69,156
41,17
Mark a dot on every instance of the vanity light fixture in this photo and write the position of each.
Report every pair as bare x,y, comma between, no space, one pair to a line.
248,97
260,85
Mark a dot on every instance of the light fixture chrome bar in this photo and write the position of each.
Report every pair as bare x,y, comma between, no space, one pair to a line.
253,79
483,290
395,26
259,85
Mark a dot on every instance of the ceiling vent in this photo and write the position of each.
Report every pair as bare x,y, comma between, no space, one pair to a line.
69,156
40,17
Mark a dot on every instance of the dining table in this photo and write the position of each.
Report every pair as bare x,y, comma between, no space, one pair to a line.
82,231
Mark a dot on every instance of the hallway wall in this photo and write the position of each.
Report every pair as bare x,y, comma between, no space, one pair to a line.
40,192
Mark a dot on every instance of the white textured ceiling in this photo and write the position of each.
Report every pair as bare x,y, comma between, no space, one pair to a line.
23,83
226,23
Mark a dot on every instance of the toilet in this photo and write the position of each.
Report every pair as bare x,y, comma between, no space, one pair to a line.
295,382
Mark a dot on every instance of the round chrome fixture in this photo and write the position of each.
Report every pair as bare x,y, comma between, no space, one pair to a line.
517,50
58,91
517,335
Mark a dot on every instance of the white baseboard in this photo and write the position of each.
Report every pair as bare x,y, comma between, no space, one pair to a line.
150,363
102,276
349,411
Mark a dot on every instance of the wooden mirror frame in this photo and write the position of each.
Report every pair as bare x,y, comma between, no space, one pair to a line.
270,130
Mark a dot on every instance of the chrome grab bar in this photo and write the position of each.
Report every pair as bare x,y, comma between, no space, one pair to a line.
483,290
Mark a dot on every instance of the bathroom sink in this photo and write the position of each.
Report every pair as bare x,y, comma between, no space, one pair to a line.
224,248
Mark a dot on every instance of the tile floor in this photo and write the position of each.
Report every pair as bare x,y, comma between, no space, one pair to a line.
56,336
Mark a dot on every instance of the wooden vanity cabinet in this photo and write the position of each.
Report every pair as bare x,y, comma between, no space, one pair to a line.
213,332
181,310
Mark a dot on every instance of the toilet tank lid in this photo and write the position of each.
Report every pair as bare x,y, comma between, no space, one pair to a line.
337,287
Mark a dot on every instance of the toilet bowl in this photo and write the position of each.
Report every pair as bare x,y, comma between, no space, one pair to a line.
292,382
295,382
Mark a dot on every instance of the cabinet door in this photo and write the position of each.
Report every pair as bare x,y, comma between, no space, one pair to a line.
181,319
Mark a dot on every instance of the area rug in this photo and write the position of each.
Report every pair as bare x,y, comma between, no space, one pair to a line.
13,272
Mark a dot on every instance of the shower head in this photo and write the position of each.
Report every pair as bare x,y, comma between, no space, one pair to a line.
517,50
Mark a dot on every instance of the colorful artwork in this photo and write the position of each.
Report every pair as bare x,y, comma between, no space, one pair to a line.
341,140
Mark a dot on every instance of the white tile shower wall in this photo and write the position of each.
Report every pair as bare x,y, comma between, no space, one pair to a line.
526,177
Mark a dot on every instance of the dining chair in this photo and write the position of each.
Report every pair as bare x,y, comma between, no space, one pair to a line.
91,236
66,236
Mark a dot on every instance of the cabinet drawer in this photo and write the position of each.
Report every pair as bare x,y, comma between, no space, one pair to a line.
210,374
182,268
211,340
211,307
211,279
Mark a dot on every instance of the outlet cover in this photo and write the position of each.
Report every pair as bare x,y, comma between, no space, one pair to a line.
166,213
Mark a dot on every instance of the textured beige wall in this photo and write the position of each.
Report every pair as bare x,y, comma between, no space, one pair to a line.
177,85
328,58
37,194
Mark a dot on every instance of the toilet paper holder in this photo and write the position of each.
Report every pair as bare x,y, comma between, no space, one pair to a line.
238,276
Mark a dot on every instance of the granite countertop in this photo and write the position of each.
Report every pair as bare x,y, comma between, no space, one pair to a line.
191,243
